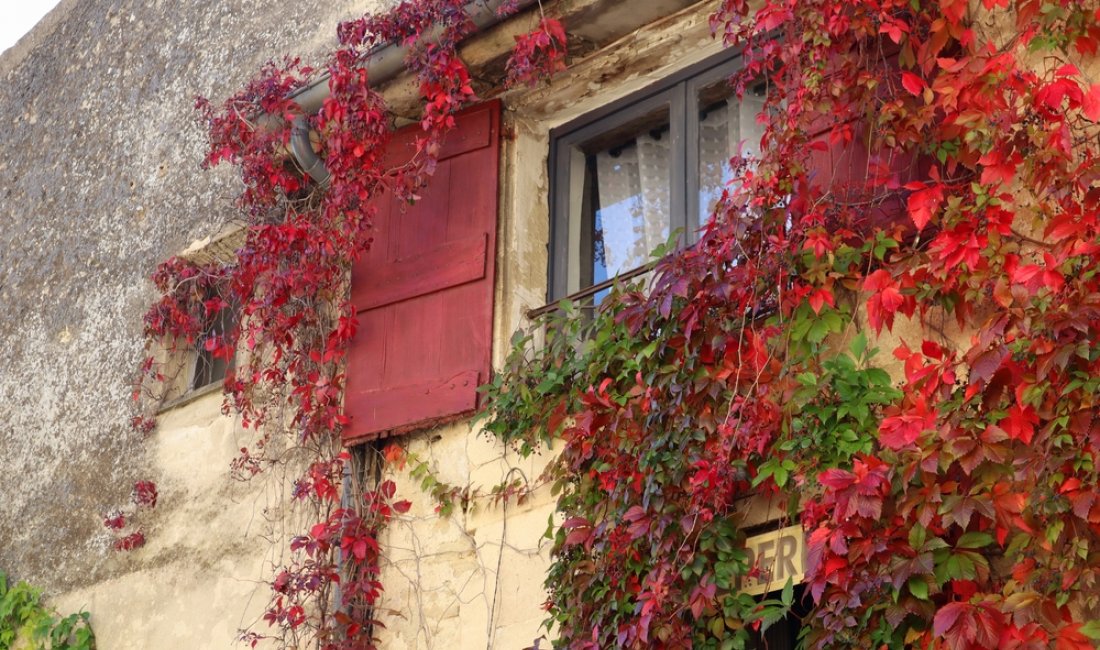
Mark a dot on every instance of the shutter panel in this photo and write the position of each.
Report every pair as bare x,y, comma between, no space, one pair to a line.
424,291
845,168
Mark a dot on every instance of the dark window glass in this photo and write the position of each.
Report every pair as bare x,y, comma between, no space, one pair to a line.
208,368
783,635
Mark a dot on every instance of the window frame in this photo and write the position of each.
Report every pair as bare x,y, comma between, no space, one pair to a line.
679,92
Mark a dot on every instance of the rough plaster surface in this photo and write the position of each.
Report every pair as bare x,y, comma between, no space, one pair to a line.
473,579
100,181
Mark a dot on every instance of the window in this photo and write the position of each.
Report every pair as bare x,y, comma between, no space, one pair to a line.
211,363
629,176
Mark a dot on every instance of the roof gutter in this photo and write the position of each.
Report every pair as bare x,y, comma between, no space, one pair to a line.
384,64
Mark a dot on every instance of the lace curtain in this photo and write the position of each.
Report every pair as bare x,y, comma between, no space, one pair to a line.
722,129
633,183
633,217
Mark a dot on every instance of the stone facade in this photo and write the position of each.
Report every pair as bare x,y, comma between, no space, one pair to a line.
101,182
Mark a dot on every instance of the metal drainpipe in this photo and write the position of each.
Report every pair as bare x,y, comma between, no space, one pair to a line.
383,64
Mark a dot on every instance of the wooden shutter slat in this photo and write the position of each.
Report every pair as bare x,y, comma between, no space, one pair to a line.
448,265
474,132
424,290
393,408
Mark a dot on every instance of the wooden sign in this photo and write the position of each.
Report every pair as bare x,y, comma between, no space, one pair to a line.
780,555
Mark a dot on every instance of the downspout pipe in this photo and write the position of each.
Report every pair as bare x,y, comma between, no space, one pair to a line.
384,64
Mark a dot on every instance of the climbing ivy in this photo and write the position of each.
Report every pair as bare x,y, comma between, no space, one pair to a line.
25,622
928,176
928,184
288,291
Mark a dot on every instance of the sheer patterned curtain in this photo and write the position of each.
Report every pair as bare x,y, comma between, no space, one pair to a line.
634,201
722,129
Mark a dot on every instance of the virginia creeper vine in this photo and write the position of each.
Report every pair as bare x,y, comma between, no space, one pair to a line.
927,162
288,290
929,171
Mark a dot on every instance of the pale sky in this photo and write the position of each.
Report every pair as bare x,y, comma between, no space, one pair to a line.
17,17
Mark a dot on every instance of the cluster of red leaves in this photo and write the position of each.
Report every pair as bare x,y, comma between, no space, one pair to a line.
976,543
538,54
143,496
923,173
342,548
130,542
288,288
251,130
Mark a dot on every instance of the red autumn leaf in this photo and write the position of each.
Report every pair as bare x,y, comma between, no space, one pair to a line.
577,536
819,298
1090,103
1052,95
1020,423
924,202
579,530
904,428
130,542
819,242
987,363
771,16
1070,638
1067,70
885,299
913,83
395,456
946,618
953,10
296,615
998,168
144,494
892,29
860,491
989,624
115,520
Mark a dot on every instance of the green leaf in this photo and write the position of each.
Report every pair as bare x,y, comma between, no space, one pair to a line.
917,535
858,345
975,540
1091,630
918,586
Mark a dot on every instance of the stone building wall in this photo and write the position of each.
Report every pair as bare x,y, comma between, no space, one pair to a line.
102,181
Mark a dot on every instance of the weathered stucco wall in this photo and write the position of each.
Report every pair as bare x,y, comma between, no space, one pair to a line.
102,182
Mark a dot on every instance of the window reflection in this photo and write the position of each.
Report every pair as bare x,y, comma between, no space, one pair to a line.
726,125
628,201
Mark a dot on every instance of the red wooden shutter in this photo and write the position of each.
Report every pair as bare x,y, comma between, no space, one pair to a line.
424,291
846,167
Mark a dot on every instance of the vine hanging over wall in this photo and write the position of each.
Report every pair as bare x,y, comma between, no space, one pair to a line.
929,182
953,505
288,291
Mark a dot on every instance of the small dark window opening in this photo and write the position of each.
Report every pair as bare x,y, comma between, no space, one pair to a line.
784,634
222,323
